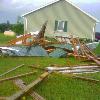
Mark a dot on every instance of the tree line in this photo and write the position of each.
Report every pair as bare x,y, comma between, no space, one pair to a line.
18,28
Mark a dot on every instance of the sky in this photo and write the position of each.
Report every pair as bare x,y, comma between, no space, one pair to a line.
11,9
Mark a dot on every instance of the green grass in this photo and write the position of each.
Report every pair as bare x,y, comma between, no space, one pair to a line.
4,39
56,86
97,50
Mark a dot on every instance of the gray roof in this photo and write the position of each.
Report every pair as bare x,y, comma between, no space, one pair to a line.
55,1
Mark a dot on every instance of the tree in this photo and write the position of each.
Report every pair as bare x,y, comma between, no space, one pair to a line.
19,20
8,25
18,28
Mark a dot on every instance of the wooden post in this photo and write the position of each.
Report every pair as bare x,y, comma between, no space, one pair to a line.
3,98
87,79
33,94
14,77
28,87
11,70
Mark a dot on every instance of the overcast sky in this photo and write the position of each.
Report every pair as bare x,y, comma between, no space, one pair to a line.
11,9
15,4
18,4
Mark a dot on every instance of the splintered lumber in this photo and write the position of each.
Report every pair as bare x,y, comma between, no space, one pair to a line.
22,38
33,94
86,79
94,59
28,87
81,47
18,76
32,66
42,31
11,70
70,68
74,43
3,98
91,55
88,49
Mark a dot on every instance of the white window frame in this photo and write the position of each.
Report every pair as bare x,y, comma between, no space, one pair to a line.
60,30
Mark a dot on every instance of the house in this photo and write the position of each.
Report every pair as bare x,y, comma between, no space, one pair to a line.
64,19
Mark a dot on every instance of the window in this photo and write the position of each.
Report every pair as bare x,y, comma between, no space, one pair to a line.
61,26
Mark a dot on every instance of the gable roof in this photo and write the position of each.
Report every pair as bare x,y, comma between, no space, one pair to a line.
55,1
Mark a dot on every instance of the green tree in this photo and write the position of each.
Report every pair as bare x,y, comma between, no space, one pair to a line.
19,20
18,28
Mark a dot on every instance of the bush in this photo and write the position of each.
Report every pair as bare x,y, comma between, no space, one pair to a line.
18,28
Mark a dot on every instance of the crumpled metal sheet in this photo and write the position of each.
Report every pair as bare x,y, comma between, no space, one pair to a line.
58,53
27,51
66,46
92,45
37,50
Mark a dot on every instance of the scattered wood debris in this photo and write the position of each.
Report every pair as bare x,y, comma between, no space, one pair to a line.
28,87
21,84
13,69
18,76
3,98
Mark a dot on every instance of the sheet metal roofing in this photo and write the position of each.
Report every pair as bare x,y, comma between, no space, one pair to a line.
55,1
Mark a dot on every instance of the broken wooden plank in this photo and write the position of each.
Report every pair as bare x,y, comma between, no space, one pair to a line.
87,79
11,70
3,98
28,87
18,76
70,68
33,94
94,59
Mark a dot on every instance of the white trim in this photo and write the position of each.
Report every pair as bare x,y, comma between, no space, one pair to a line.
66,1
25,23
58,25
93,35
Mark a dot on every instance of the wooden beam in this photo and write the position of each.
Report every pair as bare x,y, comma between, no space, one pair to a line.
3,98
11,70
18,76
94,59
25,90
87,79
21,84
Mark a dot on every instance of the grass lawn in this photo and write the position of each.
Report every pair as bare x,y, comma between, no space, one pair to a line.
4,39
97,50
56,86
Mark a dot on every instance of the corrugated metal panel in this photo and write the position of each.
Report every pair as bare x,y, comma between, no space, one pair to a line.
93,45
37,51
58,53
28,51
66,46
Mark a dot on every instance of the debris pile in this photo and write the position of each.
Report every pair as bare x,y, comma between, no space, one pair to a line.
38,45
